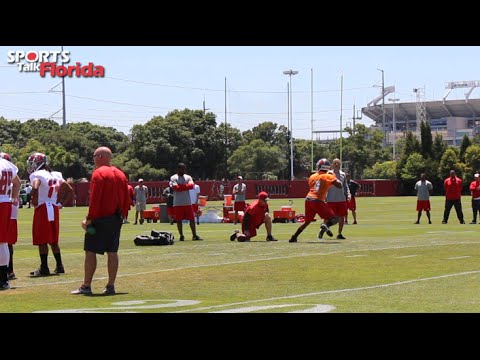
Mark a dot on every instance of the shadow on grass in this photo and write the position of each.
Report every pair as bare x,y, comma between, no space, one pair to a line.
103,295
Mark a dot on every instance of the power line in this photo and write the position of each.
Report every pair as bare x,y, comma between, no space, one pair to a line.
231,91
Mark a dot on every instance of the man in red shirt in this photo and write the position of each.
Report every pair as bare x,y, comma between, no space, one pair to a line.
131,199
255,215
453,196
109,204
475,190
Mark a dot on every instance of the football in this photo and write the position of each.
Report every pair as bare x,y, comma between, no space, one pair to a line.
66,194
241,238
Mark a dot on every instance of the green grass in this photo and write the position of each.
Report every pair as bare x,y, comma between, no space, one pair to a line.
387,264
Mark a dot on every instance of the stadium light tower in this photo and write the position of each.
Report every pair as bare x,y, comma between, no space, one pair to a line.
394,100
383,107
290,73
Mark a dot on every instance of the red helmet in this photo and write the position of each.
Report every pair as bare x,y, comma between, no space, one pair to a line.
323,164
5,156
36,161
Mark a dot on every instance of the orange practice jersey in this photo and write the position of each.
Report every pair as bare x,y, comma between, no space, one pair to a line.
319,183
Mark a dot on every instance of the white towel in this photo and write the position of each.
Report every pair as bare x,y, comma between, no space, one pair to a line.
50,212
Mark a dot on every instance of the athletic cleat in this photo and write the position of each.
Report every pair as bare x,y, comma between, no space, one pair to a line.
40,272
59,270
326,229
320,234
196,238
271,238
182,238
4,285
141,221
444,222
341,237
355,223
292,239
109,290
12,276
233,237
473,222
82,290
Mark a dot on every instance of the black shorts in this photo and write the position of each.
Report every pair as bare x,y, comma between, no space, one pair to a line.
106,237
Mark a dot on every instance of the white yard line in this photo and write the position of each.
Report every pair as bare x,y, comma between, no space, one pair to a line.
458,257
406,256
247,261
332,291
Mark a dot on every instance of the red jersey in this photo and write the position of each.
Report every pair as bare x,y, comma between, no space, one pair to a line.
257,212
108,192
475,189
131,194
453,188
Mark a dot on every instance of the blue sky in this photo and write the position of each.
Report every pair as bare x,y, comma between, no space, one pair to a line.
142,82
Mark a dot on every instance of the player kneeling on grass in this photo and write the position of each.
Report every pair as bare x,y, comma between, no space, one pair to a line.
319,183
255,215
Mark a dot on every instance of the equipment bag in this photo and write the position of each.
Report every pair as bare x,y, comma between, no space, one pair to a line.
155,238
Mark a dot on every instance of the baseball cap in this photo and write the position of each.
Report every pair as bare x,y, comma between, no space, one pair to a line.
140,180
263,195
239,178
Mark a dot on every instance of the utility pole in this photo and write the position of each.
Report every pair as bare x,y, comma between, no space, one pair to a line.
341,116
355,118
311,119
64,125
226,135
383,108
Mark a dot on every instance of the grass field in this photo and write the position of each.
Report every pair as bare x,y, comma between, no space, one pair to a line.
387,264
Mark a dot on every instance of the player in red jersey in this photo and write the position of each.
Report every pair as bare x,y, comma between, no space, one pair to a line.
9,193
255,215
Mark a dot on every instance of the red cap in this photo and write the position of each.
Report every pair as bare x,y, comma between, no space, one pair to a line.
263,195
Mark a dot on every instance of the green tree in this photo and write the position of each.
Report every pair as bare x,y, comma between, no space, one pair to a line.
381,170
414,166
464,146
426,140
9,131
472,161
257,158
363,149
439,147
449,161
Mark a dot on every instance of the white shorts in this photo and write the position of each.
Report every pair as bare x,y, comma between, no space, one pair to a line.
141,206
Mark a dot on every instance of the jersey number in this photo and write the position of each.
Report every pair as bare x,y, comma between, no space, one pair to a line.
5,181
52,187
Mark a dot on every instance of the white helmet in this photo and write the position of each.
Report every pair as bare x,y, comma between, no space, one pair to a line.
323,164
36,161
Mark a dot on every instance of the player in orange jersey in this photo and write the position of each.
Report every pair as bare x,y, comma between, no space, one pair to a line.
319,183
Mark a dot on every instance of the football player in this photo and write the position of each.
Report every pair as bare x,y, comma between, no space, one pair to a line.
46,221
9,193
315,202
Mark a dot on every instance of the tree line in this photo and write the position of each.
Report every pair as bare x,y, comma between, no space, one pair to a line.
220,151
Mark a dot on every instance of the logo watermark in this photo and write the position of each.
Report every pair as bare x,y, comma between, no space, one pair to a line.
52,63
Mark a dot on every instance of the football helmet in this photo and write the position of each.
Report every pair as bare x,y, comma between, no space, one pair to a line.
5,156
323,164
36,161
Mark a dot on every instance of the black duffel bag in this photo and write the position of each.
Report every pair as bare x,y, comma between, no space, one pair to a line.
155,238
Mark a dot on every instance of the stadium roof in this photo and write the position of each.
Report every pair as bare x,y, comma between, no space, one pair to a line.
434,110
